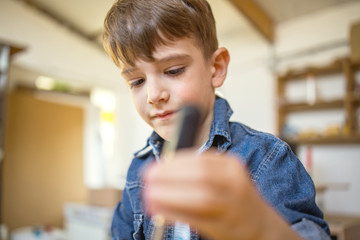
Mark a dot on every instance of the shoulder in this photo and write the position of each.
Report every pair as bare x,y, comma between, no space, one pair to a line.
141,159
250,139
258,149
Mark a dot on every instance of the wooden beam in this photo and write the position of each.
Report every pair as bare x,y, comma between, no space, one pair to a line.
257,16
13,48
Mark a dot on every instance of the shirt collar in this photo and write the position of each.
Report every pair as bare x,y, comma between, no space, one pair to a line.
219,137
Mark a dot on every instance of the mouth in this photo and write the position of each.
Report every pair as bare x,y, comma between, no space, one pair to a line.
164,115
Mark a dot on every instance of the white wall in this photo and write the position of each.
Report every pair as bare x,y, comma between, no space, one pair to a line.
132,134
248,86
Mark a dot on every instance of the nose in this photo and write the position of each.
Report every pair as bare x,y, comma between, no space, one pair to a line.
156,91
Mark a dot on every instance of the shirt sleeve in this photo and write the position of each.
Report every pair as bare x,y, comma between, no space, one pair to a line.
284,183
122,222
309,230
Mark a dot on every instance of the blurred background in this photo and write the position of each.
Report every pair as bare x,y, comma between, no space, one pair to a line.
68,128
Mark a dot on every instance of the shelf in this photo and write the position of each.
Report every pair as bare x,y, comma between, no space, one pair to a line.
325,140
349,103
323,187
320,105
355,65
344,227
356,99
335,67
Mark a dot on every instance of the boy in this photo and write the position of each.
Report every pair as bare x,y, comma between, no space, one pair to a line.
244,184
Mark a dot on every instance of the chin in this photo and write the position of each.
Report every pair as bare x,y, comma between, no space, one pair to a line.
165,133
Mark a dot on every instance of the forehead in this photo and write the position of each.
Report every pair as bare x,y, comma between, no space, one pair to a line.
182,49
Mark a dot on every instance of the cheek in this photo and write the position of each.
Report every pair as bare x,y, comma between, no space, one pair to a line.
196,84
191,95
139,106
196,90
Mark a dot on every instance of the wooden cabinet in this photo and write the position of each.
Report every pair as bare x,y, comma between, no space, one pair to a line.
349,103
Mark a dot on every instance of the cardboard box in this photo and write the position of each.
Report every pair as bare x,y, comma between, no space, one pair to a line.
105,197
355,42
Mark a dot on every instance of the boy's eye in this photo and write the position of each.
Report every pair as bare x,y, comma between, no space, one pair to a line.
137,82
175,72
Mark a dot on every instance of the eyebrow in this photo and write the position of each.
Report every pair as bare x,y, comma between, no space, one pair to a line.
128,70
159,61
173,57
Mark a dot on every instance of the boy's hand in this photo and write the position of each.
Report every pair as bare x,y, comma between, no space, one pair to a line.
213,193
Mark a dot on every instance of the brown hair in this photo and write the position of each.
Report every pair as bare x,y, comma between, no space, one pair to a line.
134,28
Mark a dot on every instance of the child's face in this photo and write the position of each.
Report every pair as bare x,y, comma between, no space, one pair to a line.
178,75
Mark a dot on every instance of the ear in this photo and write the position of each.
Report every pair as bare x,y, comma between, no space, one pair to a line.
220,61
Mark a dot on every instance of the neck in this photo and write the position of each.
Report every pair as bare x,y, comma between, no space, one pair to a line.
204,131
205,125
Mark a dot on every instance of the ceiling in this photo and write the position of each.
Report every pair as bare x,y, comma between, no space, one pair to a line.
86,16
281,10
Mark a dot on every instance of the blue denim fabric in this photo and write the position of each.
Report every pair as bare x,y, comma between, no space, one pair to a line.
277,173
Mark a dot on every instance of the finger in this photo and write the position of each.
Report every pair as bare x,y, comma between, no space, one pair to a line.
191,200
188,167
189,187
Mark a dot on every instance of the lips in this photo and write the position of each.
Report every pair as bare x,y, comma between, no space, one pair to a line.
163,115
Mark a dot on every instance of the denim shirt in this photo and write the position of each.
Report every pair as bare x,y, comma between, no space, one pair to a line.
276,172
